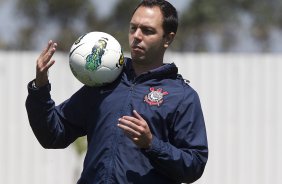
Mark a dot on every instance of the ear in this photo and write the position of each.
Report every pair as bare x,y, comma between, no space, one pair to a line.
168,39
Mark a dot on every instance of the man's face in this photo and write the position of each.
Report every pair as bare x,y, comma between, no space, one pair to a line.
146,35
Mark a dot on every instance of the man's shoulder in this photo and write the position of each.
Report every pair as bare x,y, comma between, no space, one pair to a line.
185,86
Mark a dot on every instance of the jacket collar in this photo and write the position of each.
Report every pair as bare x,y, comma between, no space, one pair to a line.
167,70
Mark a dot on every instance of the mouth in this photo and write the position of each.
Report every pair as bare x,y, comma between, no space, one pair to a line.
137,48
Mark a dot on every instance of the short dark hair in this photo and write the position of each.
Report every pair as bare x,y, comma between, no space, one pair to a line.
170,16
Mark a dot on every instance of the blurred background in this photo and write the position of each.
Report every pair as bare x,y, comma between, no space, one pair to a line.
229,50
205,26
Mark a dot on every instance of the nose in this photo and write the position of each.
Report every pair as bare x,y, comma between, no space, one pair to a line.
138,34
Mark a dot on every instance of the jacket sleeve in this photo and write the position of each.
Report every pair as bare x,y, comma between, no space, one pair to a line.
53,126
184,157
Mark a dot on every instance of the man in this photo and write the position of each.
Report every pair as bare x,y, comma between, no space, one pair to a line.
145,127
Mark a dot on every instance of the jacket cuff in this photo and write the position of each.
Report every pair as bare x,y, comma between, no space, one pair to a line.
39,92
155,148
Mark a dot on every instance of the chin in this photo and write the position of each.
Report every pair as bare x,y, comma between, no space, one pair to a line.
137,58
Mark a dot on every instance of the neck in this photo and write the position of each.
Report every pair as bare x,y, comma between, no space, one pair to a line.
140,67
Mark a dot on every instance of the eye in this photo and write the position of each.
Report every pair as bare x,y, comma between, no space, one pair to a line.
147,31
132,29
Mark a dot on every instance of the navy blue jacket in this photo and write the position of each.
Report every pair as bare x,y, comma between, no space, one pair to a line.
170,106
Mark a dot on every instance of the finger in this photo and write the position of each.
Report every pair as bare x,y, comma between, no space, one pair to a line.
42,68
130,122
49,64
43,62
128,131
134,120
138,116
50,52
133,126
50,42
135,139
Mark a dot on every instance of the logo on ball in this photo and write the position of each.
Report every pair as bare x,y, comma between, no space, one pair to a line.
93,60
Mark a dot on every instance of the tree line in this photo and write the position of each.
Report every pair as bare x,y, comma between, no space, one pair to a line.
205,26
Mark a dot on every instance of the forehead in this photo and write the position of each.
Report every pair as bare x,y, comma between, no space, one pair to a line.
147,16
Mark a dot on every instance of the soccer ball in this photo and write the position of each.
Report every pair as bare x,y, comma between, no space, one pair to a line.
96,59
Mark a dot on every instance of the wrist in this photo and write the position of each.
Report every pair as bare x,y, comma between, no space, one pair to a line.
40,82
34,84
41,79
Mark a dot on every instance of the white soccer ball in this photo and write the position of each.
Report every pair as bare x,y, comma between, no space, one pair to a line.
96,59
